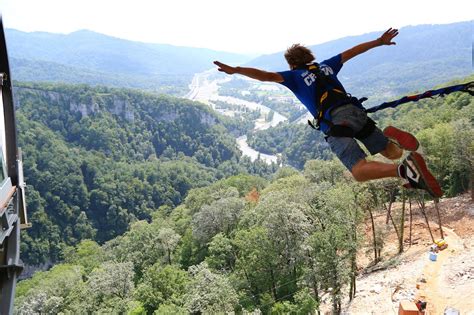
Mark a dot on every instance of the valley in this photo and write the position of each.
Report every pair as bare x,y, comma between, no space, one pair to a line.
204,88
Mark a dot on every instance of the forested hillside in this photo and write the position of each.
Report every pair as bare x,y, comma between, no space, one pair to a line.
98,159
92,58
264,247
277,244
142,203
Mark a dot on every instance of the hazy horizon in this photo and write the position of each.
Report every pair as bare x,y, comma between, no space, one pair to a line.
251,28
227,51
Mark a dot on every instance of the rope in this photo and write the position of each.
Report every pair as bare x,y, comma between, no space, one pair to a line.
466,87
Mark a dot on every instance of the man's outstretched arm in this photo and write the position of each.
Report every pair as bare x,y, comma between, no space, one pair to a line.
385,39
250,72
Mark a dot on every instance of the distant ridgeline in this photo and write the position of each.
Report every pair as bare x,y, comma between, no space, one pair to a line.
97,159
424,56
97,59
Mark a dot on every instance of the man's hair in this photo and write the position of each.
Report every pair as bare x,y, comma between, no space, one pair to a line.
298,55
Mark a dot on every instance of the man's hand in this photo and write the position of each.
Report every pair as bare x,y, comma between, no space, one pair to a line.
386,38
225,68
253,73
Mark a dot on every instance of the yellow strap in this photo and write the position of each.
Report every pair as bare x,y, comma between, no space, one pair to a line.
323,97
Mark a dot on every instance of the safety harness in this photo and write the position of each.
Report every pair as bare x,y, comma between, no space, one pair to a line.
330,95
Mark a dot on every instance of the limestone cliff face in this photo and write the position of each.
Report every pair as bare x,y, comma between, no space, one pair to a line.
83,108
119,106
122,108
116,105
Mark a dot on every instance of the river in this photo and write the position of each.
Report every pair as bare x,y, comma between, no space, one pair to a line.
204,88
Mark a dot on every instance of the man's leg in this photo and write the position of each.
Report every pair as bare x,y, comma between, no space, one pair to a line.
366,170
413,168
353,157
390,143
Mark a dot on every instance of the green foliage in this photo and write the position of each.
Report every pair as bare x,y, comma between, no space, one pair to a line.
281,308
305,302
297,143
221,216
318,171
209,292
162,287
98,159
190,242
141,246
268,254
47,292
221,253
136,308
165,309
285,172
334,241
56,281
87,254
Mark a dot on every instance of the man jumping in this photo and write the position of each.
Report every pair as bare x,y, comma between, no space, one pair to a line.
342,117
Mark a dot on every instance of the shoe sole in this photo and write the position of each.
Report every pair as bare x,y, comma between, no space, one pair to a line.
432,185
405,140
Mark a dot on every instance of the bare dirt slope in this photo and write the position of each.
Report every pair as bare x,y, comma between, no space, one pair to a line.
446,282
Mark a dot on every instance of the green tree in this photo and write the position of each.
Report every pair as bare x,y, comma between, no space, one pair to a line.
221,216
162,286
112,286
47,291
169,239
87,254
209,292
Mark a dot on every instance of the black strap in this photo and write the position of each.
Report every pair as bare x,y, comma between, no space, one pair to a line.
345,131
367,130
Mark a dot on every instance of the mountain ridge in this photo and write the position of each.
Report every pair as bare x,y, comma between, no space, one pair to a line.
113,61
424,56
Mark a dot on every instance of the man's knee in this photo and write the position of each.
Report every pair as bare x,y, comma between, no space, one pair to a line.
392,151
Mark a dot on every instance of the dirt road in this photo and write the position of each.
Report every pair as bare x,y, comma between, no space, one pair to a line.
446,282
438,290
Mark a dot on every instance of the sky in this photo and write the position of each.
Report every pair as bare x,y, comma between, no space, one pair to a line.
242,26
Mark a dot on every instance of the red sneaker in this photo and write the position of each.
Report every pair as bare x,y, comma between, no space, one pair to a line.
419,176
403,139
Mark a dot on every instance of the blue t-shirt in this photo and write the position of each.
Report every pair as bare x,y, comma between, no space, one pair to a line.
301,82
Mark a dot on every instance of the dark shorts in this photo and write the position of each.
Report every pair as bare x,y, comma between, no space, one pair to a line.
348,149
